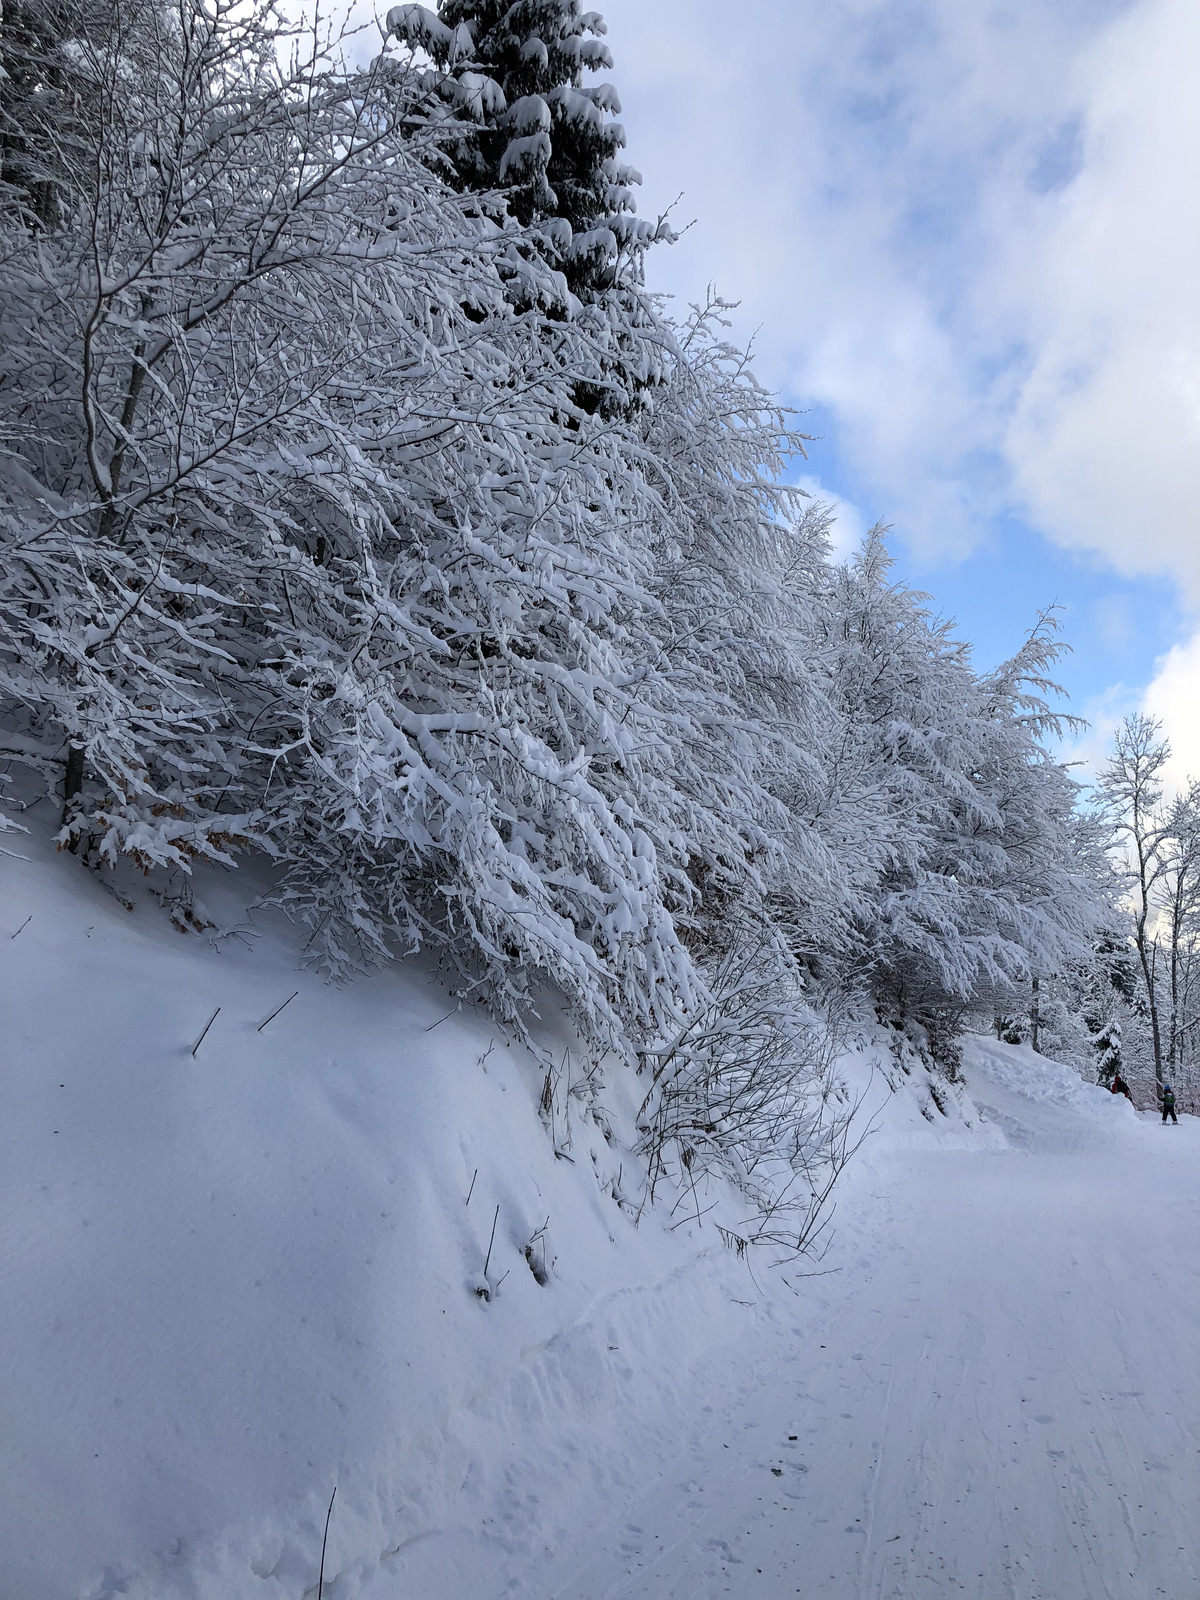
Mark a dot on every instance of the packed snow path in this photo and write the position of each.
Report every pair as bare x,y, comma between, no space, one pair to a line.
998,1397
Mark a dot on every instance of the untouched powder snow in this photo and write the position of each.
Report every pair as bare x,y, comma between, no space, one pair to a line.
235,1279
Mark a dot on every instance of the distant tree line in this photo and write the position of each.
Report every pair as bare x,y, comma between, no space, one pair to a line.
1132,1006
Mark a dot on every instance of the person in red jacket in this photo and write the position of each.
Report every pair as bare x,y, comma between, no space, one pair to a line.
1119,1086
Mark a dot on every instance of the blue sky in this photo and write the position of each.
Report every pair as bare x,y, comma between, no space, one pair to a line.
966,239
1117,626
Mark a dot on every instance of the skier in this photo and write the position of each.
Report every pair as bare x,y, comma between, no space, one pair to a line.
1119,1086
1168,1104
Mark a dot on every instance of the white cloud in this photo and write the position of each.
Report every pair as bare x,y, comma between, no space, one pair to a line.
970,232
1105,437
769,128
1174,698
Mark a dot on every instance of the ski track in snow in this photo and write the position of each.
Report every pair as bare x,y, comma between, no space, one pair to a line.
1005,1408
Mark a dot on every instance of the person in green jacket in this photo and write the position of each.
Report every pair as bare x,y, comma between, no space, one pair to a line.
1168,1104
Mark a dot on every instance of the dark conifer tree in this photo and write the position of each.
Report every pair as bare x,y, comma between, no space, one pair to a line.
547,139
1110,990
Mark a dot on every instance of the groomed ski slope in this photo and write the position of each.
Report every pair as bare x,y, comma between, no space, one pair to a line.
236,1278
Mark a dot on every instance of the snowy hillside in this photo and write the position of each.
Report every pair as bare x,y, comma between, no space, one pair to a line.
238,1278
396,591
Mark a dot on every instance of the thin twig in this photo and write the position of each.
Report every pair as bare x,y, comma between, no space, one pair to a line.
471,1190
696,1218
276,1012
324,1541
207,1026
695,1196
288,598
491,1241
23,926
446,1018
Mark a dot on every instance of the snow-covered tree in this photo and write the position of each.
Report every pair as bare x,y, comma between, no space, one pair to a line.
536,130
46,97
1108,999
528,135
338,524
1131,786
308,545
966,820
1181,918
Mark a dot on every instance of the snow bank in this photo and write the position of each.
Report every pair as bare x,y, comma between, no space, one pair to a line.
1034,1101
239,1276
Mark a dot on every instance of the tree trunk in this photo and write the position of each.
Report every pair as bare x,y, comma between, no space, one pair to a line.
1176,925
72,787
1145,946
1035,1016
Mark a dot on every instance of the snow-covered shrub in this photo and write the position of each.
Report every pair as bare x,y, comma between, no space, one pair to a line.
308,545
746,1087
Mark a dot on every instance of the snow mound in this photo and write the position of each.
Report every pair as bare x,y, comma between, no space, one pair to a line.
1036,1102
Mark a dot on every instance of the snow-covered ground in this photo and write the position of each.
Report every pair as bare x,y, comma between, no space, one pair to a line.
997,1396
234,1279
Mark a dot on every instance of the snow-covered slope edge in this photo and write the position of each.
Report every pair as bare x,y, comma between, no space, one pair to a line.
1005,1080
239,1277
